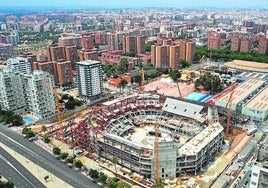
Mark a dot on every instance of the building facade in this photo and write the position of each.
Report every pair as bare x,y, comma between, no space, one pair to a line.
27,93
263,45
6,51
20,64
214,40
40,98
89,79
12,93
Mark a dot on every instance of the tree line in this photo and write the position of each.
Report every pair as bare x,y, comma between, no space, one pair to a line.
226,54
10,117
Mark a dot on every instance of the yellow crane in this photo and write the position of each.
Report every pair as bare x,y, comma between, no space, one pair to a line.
202,61
58,107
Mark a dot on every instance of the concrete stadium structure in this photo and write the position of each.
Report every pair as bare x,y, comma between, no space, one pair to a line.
124,128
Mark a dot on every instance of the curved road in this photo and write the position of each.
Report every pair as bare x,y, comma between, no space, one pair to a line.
44,159
11,169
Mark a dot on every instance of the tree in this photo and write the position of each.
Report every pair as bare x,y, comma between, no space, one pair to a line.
56,151
28,132
140,65
115,161
78,164
70,160
175,75
148,46
46,138
123,83
159,183
17,120
112,182
131,54
137,79
192,74
184,63
44,128
122,184
210,83
64,155
93,173
123,66
102,177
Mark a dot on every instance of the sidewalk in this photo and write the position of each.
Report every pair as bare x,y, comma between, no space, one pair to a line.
37,171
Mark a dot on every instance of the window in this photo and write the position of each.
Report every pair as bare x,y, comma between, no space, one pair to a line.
253,183
255,174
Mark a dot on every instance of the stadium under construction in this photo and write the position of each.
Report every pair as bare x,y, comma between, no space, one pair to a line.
189,137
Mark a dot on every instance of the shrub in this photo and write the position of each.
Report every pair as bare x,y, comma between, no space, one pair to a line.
46,138
78,164
56,151
64,155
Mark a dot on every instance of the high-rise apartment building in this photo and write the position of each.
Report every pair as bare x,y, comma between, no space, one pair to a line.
72,40
245,45
89,79
88,55
27,93
190,51
11,93
174,57
259,175
153,55
87,41
39,97
182,49
20,64
214,40
100,38
55,53
131,44
6,51
162,57
235,43
49,67
61,71
71,53
112,41
140,44
64,71
263,45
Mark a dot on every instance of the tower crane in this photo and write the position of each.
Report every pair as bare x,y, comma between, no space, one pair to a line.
202,61
156,135
229,112
58,107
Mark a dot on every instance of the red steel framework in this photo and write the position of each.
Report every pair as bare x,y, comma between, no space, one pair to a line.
85,132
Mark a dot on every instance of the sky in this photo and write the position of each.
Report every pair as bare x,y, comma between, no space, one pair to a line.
136,3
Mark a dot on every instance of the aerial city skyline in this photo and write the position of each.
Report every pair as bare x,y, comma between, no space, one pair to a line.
138,3
142,93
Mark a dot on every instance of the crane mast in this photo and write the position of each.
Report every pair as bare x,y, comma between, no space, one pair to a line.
229,112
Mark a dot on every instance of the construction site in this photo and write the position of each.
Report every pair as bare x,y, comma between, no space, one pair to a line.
156,136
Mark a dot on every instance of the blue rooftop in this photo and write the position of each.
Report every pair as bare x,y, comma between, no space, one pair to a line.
200,97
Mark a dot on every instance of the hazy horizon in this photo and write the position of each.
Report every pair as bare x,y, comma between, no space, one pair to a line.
137,3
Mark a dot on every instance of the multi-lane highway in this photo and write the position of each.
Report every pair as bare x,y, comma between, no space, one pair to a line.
11,169
44,159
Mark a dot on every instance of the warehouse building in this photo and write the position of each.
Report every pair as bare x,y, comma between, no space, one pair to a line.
242,94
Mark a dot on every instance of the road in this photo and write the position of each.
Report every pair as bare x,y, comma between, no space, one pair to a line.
44,159
12,170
